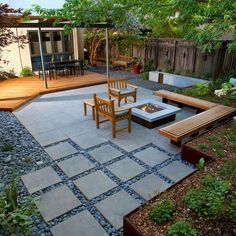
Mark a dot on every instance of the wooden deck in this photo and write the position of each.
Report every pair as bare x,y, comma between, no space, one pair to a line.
16,92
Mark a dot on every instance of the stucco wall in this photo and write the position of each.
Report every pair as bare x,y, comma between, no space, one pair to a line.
16,56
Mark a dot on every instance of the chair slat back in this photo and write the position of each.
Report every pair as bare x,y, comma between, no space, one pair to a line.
117,83
104,107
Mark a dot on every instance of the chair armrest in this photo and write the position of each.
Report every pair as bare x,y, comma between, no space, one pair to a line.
114,90
133,86
124,108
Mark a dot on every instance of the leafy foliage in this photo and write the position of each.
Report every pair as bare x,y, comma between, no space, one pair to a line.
26,71
162,212
208,200
203,146
15,216
7,147
200,165
181,228
204,22
148,65
233,210
229,169
7,36
201,89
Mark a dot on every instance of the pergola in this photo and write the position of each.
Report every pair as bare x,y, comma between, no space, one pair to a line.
19,21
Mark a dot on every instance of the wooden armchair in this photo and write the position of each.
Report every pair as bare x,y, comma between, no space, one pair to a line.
108,110
119,88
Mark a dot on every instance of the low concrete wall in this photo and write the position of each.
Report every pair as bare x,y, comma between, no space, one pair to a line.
175,80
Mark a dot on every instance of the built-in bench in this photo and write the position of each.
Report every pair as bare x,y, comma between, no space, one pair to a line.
213,114
199,104
124,61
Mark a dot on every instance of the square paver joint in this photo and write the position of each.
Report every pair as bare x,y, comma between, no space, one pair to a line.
125,169
94,184
176,170
105,153
57,202
40,179
150,186
115,207
75,165
60,150
82,224
152,156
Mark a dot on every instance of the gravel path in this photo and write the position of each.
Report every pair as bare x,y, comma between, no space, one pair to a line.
27,155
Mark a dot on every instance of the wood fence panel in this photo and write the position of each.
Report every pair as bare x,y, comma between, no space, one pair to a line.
181,57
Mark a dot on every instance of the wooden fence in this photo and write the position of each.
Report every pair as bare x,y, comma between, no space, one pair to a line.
181,57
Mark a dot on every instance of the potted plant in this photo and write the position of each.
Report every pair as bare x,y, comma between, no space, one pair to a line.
137,65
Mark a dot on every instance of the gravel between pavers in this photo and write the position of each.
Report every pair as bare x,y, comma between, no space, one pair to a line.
24,148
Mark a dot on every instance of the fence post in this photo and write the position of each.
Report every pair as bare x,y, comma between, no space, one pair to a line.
217,69
174,56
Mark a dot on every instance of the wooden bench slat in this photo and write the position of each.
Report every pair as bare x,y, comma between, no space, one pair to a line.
180,98
193,124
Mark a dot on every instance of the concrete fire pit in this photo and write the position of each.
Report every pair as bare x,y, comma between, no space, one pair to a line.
151,113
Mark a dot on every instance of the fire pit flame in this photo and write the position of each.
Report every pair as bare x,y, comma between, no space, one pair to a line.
150,108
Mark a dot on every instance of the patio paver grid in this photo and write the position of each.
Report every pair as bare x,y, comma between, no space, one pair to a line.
127,179
92,170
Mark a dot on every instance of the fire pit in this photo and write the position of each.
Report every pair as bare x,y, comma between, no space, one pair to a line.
150,108
151,113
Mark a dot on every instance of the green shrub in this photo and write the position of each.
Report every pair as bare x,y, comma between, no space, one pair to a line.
162,211
203,146
201,163
181,228
201,89
232,210
209,199
148,65
26,71
229,169
7,147
145,75
15,217
216,183
214,138
217,84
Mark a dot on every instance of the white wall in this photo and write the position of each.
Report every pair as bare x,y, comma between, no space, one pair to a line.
16,56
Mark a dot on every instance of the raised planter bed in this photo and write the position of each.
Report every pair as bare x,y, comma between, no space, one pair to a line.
193,155
129,228
138,222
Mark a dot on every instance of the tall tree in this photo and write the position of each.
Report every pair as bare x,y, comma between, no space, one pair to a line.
203,21
207,21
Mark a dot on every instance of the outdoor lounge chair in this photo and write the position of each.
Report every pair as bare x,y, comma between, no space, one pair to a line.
119,88
106,108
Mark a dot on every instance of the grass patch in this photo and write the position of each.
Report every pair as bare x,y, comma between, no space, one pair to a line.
7,147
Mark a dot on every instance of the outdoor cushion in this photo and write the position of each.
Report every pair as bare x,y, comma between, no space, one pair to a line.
120,113
124,91
233,81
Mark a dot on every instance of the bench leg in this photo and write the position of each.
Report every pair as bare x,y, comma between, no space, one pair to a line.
176,143
164,100
199,110
85,109
93,112
195,134
180,105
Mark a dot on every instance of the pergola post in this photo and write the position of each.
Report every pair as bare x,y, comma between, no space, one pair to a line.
107,52
42,58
